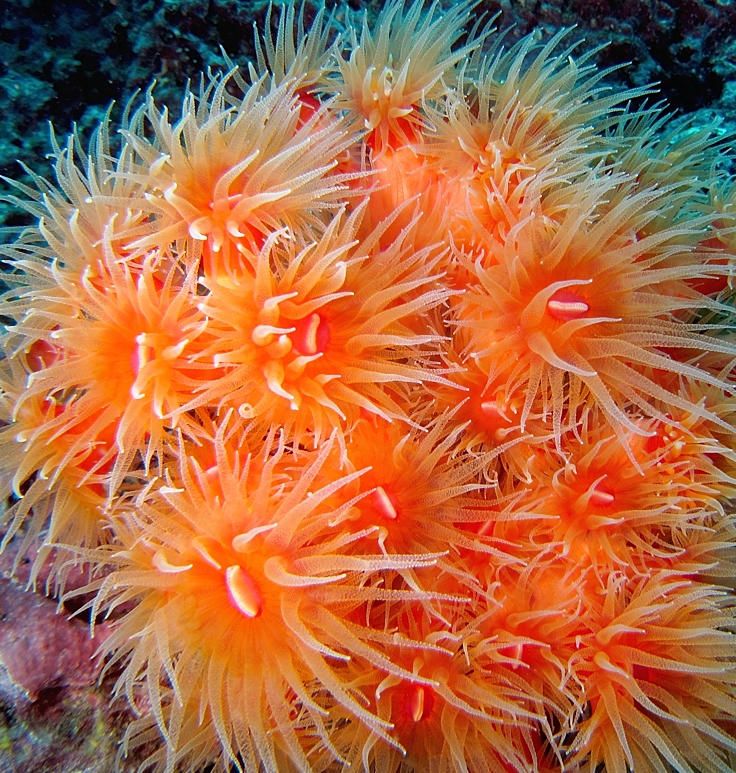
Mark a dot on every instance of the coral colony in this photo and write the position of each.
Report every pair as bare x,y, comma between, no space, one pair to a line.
388,397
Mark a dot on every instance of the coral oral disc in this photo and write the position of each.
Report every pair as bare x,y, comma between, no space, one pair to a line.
385,504
243,592
601,498
417,704
420,703
494,410
565,305
311,336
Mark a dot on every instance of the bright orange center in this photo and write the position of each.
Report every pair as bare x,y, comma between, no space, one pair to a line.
565,305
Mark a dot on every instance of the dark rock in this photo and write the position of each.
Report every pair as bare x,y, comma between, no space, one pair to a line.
54,716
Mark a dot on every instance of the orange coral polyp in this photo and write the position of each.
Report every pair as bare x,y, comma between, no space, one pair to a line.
309,340
124,360
230,175
596,335
208,573
390,73
387,400
229,567
137,328
381,98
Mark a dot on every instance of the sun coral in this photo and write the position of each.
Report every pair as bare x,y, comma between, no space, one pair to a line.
233,171
387,398
223,561
656,665
313,337
118,346
405,60
593,308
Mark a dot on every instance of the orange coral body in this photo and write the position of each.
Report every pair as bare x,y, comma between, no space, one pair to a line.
391,406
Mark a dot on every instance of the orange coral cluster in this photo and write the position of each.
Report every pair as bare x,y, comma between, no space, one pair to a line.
388,395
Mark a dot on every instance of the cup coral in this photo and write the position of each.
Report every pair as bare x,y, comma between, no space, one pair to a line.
388,398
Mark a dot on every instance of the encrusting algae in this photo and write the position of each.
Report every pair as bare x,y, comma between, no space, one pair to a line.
388,396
